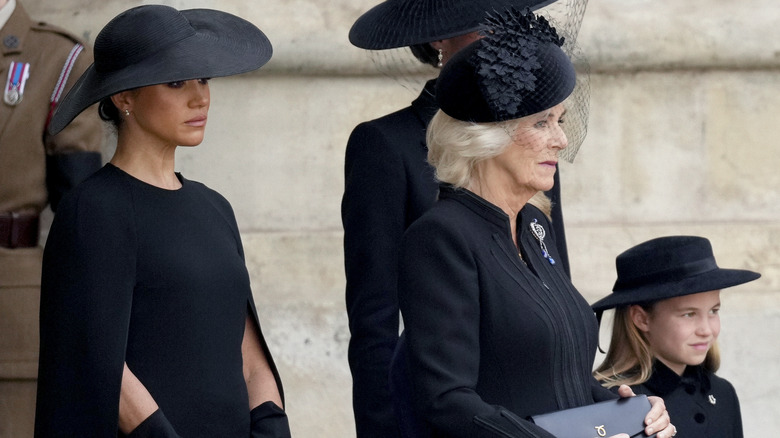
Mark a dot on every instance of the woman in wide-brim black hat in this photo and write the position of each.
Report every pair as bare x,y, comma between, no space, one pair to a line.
665,331
389,184
148,325
494,330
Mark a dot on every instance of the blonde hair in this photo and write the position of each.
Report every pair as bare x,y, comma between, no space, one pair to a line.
455,147
630,358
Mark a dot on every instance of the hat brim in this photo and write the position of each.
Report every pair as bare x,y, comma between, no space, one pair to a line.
223,45
392,24
712,280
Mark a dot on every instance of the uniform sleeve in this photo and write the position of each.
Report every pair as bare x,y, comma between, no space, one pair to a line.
86,295
440,301
74,153
373,215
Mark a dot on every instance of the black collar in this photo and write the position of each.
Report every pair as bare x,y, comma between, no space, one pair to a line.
663,380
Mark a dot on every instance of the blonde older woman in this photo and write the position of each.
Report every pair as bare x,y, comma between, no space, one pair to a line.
494,330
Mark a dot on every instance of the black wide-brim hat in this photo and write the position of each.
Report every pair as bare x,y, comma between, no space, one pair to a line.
156,44
516,70
400,23
668,267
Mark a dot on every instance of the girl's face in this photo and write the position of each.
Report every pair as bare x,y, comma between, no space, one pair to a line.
174,113
681,330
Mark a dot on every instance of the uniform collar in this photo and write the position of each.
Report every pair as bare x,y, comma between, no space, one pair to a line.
663,380
14,31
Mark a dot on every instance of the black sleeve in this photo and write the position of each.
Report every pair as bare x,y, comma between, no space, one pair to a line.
373,216
86,295
269,421
65,171
155,426
440,301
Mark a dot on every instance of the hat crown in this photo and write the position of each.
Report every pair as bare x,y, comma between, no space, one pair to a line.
664,259
138,34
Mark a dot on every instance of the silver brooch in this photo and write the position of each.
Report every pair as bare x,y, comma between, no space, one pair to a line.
539,233
712,399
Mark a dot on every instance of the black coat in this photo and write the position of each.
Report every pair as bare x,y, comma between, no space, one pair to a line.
388,185
700,404
488,336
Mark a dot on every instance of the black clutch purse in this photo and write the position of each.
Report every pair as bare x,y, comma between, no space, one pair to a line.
603,419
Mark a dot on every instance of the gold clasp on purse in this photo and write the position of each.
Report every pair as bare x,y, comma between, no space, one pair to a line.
602,431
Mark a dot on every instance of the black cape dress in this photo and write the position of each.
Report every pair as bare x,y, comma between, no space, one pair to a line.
155,278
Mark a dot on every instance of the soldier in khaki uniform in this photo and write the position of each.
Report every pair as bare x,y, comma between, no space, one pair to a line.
38,64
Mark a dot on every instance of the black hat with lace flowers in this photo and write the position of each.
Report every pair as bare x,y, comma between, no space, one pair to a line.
516,70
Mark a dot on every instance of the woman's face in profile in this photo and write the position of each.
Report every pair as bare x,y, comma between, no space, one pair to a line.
681,330
528,163
174,113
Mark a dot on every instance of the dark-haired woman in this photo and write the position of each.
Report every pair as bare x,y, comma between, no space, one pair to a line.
148,325
389,184
495,331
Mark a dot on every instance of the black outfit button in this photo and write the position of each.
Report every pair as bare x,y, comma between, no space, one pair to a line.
699,418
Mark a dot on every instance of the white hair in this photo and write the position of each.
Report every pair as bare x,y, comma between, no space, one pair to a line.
455,147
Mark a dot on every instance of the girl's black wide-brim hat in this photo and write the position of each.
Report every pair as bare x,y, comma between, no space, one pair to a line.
668,267
400,23
156,44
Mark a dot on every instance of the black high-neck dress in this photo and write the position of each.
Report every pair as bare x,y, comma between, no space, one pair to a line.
154,278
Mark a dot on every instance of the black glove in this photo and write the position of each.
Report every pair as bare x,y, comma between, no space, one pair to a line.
155,426
268,421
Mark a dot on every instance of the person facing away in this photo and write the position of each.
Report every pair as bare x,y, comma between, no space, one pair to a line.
148,325
389,184
495,331
38,63
665,332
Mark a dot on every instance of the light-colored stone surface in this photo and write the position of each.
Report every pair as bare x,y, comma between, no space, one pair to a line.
683,140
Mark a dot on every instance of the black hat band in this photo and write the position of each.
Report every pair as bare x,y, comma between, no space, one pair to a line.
684,270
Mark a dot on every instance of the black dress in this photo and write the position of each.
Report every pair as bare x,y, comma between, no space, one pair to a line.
154,278
700,404
490,339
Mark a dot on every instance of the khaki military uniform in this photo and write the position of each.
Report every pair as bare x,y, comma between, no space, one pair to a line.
28,156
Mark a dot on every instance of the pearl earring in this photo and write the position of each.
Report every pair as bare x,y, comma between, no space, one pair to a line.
127,112
441,56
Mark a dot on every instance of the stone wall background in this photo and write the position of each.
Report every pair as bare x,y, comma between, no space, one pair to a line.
685,103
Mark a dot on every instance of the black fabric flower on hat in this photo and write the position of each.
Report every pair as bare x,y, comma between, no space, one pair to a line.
507,59
517,69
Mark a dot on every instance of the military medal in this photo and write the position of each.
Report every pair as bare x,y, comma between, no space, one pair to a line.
17,77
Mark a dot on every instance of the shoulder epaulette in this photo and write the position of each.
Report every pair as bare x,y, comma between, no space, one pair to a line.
43,26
